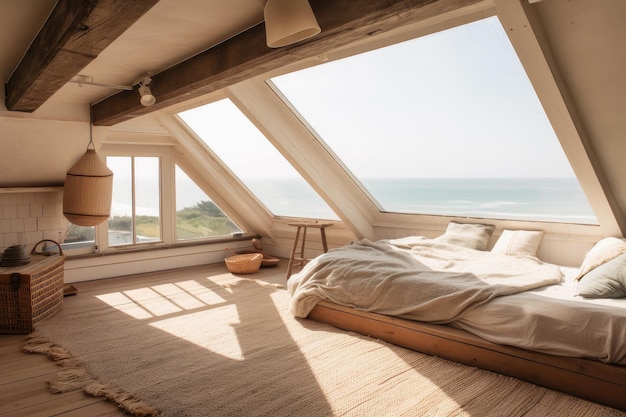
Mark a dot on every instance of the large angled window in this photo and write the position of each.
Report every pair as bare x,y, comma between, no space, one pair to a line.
197,216
251,157
445,124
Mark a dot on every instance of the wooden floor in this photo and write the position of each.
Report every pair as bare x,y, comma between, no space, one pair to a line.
24,392
23,388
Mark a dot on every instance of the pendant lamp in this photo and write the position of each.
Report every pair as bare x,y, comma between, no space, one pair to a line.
289,21
88,189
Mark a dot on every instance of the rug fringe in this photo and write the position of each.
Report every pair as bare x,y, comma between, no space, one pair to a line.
36,344
74,376
126,401
69,380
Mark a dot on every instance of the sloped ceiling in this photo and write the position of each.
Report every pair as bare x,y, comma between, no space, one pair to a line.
57,132
587,40
73,36
169,32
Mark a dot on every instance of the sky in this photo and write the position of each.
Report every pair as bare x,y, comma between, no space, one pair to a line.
452,104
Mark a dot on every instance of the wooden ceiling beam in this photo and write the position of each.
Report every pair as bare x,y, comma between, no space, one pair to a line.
74,35
247,55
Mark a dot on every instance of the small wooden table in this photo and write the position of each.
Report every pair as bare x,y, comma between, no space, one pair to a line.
296,260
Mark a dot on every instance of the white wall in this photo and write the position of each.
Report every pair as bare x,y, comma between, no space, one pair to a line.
28,217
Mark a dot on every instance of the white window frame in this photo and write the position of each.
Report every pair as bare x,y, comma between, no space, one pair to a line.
167,206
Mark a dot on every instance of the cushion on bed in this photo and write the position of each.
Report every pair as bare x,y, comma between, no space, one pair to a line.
606,281
602,252
469,235
518,242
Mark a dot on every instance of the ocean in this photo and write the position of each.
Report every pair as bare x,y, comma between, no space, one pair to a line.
534,199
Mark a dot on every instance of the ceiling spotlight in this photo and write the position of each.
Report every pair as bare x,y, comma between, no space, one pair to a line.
289,21
147,99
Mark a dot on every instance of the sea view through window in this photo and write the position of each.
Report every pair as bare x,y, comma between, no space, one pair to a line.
444,124
531,199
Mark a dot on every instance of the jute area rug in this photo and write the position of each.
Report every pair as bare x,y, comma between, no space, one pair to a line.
202,342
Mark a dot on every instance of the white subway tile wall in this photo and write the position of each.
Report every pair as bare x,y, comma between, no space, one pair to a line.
28,217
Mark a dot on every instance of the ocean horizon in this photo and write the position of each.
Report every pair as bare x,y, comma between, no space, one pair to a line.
533,199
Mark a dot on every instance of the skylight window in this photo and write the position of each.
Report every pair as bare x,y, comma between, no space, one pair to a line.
244,149
443,124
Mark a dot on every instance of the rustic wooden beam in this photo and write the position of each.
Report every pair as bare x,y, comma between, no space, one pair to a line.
246,55
73,36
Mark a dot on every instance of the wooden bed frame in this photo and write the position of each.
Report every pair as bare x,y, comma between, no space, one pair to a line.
589,379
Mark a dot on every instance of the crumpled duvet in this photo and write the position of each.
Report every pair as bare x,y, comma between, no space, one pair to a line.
415,278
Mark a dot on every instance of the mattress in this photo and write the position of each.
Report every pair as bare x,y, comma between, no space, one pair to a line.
554,320
518,301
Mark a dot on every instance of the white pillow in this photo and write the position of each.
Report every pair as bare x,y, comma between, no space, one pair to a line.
602,252
518,242
606,281
469,235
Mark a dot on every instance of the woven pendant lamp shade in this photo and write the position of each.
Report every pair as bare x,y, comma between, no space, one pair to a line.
88,191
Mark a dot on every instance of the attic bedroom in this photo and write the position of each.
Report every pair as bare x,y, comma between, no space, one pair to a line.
447,136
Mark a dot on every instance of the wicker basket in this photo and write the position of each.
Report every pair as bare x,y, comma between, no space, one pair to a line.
31,293
247,263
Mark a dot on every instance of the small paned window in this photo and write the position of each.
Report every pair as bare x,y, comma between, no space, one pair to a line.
136,204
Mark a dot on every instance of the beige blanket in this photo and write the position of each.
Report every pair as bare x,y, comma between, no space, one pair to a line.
415,278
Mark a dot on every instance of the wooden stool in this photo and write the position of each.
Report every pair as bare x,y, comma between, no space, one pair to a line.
299,261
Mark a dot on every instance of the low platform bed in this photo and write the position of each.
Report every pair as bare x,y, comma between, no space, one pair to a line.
589,379
502,309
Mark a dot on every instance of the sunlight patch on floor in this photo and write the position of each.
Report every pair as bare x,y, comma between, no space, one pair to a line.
182,299
161,300
213,330
125,305
153,301
201,292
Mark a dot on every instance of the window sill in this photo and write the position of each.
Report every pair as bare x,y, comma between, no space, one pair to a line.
151,247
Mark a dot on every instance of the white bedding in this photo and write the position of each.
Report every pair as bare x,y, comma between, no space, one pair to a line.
417,278
554,320
513,300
